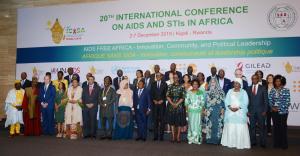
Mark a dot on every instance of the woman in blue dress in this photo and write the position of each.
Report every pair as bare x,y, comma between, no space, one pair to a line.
214,112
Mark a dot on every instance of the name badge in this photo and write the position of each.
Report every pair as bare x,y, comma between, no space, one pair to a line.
104,98
138,107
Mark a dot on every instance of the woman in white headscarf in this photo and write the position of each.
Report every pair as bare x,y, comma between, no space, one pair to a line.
236,132
124,126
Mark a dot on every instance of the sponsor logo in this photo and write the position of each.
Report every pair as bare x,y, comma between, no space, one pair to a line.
36,72
289,68
67,33
95,71
296,86
282,17
252,67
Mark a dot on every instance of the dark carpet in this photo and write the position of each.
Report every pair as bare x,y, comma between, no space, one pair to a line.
51,146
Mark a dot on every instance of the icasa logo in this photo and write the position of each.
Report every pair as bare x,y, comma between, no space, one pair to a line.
282,17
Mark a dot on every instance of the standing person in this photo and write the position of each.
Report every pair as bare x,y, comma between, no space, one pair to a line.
70,75
158,94
117,80
124,126
60,78
187,82
32,110
190,73
235,132
90,101
24,82
73,113
224,83
213,71
239,74
139,77
194,102
156,71
107,100
261,80
174,71
141,104
257,110
201,79
214,114
147,79
13,109
86,83
270,86
46,97
175,109
280,100
60,106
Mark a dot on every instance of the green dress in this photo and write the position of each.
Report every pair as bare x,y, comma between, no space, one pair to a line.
195,102
60,114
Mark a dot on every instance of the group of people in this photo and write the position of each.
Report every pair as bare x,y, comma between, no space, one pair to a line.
215,110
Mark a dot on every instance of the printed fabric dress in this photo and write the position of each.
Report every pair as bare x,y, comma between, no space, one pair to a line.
176,116
194,103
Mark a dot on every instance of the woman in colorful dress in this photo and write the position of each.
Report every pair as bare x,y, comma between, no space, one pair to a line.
60,105
280,100
124,126
236,131
194,102
73,112
175,109
214,112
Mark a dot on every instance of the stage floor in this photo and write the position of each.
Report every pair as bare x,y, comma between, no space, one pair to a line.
51,146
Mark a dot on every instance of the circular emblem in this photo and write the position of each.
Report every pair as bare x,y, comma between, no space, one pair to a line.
282,17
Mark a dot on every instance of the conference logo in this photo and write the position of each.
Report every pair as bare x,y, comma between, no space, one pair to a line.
95,71
294,107
66,33
36,72
282,17
54,70
289,68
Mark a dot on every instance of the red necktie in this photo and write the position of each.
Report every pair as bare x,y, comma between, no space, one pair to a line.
254,90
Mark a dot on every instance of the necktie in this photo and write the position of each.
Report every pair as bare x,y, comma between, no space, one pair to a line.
158,84
254,90
90,89
23,81
119,80
140,91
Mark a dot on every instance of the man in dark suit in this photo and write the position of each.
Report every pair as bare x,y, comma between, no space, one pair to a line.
69,76
24,82
86,83
158,95
118,79
141,105
147,80
261,81
225,83
156,71
213,71
173,70
190,71
90,103
239,74
47,96
257,108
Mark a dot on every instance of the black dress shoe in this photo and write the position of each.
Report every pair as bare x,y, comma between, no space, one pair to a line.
103,138
144,139
85,137
154,139
252,145
263,146
161,139
137,139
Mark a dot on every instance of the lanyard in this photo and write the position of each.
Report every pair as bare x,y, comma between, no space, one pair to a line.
106,92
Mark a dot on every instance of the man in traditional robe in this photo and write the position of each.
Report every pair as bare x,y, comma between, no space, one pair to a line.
13,109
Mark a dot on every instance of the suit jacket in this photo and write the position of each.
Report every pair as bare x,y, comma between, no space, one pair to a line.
107,111
85,83
245,85
67,78
93,98
177,72
26,84
142,103
227,85
134,84
47,96
116,82
258,102
148,86
152,77
159,94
